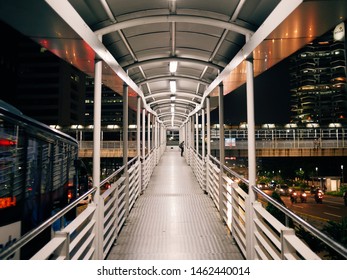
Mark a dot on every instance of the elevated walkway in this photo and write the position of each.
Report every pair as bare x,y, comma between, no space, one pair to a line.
156,208
174,219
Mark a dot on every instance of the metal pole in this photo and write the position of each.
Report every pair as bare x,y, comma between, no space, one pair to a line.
192,144
125,146
138,127
197,132
221,148
138,138
208,122
156,140
203,147
143,134
149,133
251,159
96,158
208,140
203,133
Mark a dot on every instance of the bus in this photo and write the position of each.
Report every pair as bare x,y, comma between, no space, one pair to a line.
40,173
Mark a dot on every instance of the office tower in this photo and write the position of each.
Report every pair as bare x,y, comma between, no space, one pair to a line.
318,82
38,83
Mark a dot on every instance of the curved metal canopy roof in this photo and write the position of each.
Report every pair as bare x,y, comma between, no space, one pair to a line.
137,41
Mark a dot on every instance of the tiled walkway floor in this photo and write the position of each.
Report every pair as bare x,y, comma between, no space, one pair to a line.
174,220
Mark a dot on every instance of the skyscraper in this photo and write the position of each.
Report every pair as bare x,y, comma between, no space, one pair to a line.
111,111
38,83
318,82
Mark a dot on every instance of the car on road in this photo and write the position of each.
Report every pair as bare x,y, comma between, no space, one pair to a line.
262,186
283,190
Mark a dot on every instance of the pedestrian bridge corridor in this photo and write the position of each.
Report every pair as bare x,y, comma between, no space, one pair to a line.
167,207
174,219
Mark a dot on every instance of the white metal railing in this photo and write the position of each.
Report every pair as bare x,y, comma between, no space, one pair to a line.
258,234
268,237
107,144
284,144
88,236
295,134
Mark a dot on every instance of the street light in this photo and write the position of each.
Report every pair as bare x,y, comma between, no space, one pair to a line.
341,174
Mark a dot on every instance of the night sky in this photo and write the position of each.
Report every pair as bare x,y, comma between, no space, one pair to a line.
271,96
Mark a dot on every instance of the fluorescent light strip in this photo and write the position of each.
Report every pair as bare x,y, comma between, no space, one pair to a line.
173,66
173,86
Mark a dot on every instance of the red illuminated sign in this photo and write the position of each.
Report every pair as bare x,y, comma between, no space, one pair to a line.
7,142
6,202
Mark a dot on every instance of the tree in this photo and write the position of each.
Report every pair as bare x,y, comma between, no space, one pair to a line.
338,231
274,211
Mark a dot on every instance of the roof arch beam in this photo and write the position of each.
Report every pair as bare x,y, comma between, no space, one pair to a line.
175,121
174,116
278,15
177,101
181,107
169,59
173,18
161,78
177,93
170,114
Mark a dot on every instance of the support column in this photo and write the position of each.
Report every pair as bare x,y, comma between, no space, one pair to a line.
208,140
251,158
149,133
221,148
203,133
203,146
125,146
208,128
143,134
138,138
197,132
138,127
192,144
185,133
153,131
156,140
96,159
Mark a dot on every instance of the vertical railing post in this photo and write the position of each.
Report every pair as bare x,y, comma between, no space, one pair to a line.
285,246
251,158
96,160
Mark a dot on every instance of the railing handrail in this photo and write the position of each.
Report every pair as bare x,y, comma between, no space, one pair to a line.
23,240
119,170
326,239
238,176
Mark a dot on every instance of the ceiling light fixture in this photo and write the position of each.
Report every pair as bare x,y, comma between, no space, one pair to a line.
173,86
173,66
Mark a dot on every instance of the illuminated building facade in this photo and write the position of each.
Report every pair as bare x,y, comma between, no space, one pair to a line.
318,82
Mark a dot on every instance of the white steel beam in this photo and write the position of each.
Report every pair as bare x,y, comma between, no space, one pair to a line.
277,16
67,12
173,18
